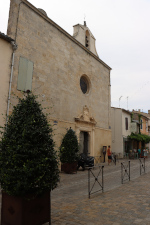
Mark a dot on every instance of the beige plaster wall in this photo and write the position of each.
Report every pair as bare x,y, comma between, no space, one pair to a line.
102,138
125,132
144,129
59,62
5,68
116,126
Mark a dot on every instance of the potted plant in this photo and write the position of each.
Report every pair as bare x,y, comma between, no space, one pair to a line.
69,152
28,165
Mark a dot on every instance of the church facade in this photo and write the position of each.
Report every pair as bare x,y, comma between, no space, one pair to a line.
72,83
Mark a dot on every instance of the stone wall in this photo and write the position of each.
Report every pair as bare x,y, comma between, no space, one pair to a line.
59,62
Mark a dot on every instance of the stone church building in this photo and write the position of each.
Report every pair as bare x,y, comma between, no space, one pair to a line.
66,73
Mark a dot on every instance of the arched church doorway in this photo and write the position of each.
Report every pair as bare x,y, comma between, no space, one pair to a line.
84,142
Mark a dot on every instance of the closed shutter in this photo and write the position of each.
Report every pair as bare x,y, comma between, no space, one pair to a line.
126,123
141,124
25,74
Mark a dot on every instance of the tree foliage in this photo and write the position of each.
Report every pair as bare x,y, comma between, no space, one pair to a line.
140,137
28,161
69,149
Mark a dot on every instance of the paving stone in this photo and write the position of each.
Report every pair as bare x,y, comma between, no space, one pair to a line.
119,204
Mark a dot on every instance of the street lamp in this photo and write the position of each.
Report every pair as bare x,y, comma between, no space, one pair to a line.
119,100
127,102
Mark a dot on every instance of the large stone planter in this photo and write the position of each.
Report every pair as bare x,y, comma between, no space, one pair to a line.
69,167
21,211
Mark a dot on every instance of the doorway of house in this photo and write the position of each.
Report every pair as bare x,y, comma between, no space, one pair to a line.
84,142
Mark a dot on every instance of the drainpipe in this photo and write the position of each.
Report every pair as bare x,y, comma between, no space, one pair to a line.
109,103
14,47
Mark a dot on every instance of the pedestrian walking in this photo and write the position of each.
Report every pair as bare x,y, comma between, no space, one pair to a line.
139,153
144,153
104,153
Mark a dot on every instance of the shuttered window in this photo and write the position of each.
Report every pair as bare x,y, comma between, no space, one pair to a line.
141,124
146,126
25,74
126,123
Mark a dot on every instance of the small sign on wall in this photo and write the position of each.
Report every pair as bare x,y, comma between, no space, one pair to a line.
133,127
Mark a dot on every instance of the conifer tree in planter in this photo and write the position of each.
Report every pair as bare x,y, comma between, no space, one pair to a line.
69,152
28,165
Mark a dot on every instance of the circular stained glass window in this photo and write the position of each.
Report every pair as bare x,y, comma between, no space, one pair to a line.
84,85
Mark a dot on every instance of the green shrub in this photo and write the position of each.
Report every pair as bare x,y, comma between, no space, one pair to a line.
140,137
69,149
28,161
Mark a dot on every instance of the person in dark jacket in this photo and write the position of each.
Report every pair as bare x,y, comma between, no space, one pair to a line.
104,153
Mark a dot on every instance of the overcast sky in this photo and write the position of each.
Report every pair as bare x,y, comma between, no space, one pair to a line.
122,32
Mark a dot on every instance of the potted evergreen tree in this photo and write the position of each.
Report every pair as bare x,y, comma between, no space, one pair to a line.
69,152
28,165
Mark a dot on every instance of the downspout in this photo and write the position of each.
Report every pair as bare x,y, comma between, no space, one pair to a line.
109,103
14,47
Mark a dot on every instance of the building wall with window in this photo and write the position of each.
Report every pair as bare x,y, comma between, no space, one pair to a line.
144,125
116,126
143,119
126,123
121,128
72,81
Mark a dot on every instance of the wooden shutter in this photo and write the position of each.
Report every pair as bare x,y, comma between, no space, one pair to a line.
25,74
126,123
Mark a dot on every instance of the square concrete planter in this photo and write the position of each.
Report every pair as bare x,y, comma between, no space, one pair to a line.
21,211
69,167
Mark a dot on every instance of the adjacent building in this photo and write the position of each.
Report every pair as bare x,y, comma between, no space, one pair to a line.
144,128
7,49
121,129
126,128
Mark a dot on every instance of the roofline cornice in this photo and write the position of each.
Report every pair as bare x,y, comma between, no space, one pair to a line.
6,38
140,113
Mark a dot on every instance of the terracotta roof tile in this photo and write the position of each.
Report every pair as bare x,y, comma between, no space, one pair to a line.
5,37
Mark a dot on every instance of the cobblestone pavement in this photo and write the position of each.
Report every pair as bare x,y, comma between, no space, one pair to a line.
119,204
